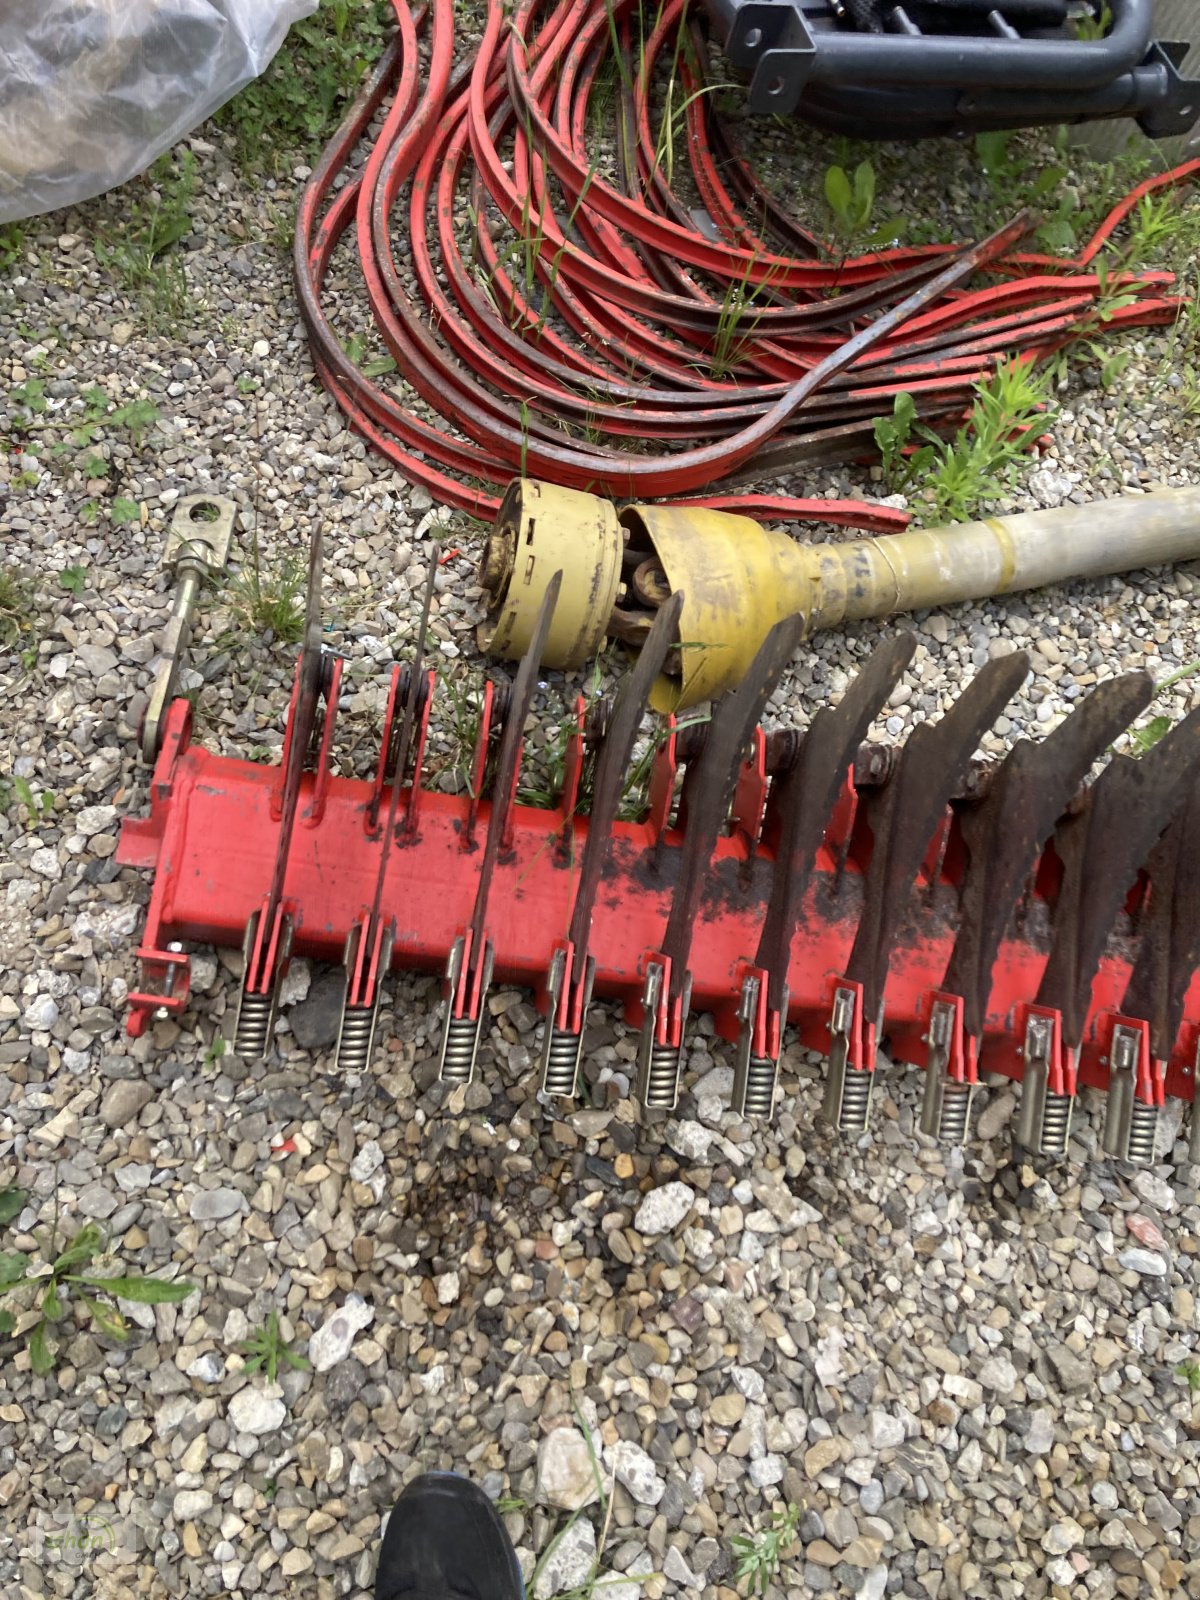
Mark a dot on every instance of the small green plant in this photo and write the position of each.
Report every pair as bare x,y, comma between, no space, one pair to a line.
893,433
510,1502
135,417
89,512
270,1489
978,462
215,1050
17,607
851,201
1146,737
12,242
30,401
266,1349
1191,1371
737,319
1093,23
44,1290
137,249
285,115
16,789
757,1556
124,511
73,579
270,599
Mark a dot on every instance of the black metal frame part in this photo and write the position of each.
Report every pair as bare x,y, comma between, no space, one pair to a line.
879,69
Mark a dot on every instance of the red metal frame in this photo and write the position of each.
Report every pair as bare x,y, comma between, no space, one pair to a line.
213,827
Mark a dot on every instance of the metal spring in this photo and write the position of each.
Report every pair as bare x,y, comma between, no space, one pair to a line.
760,1087
458,1062
1143,1129
956,1108
354,1041
562,1061
662,1078
1056,1124
856,1101
253,1026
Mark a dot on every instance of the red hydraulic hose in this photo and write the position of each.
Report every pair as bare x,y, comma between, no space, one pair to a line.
556,304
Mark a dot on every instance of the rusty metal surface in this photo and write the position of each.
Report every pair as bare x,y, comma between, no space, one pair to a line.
508,759
613,761
710,785
904,814
1102,846
1169,930
804,797
1027,795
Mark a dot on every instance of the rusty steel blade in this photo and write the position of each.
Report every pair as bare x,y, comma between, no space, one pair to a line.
903,817
613,761
711,791
1102,846
806,794
412,705
310,678
504,789
1002,832
1169,930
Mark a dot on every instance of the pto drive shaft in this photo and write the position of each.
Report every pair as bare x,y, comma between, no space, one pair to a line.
738,578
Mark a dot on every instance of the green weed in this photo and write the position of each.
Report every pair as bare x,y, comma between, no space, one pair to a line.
17,607
285,115
1191,1371
45,1289
12,243
979,461
124,511
1095,22
851,201
137,249
267,1348
73,579
1145,738
757,1556
19,791
271,598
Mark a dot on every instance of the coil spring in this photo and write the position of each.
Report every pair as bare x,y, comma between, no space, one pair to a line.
856,1102
354,1041
253,1026
662,1078
458,1062
562,1061
760,1087
1143,1129
1056,1124
956,1108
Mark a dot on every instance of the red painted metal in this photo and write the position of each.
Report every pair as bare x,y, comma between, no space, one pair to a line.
213,829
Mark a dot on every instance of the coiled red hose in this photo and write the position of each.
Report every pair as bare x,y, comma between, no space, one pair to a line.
546,318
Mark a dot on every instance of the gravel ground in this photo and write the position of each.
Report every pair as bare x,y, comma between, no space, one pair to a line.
960,1368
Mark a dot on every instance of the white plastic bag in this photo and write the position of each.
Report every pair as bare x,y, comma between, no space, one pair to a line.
91,91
